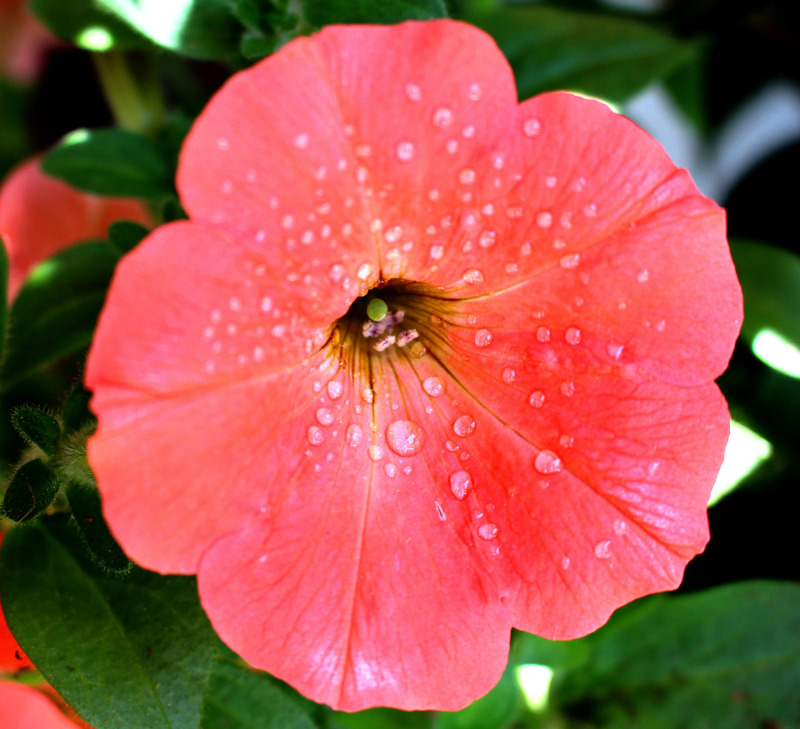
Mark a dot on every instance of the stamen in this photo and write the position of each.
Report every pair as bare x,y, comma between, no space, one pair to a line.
409,335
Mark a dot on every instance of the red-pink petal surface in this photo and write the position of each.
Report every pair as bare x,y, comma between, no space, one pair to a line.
370,526
24,707
40,216
12,659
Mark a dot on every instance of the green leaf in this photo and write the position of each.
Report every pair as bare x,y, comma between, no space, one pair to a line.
770,279
196,28
125,235
132,651
55,312
31,491
239,697
38,428
728,657
111,162
87,25
85,504
381,719
325,12
590,53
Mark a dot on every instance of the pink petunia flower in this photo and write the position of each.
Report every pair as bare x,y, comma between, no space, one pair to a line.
40,216
526,438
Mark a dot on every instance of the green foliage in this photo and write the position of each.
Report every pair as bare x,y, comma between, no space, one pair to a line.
727,657
38,428
125,235
55,312
131,651
323,12
87,24
196,28
3,296
597,55
111,162
239,697
776,306
31,491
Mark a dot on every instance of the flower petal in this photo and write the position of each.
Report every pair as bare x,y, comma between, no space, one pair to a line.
23,707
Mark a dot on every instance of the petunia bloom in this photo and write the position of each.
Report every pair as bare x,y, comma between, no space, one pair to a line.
40,216
26,707
425,364
24,42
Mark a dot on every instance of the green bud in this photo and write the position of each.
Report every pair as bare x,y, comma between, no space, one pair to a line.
30,492
377,309
37,427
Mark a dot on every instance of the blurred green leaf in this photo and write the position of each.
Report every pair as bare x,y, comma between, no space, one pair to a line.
125,235
727,657
37,427
770,279
204,29
31,491
132,651
239,697
590,53
325,12
3,296
86,24
55,312
111,162
381,719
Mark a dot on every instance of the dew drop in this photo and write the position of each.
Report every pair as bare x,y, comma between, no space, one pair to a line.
375,452
300,141
436,252
474,92
487,531
565,563
566,441
466,176
404,437
368,395
547,462
483,338
335,389
442,117
551,181
568,389
615,350
620,527
509,375
531,127
354,435
413,92
461,484
543,334
433,386
571,260
473,276
544,219
364,271
573,335
643,276
393,234
537,399
602,550
315,435
464,426
390,470
223,143
451,146
405,151
324,416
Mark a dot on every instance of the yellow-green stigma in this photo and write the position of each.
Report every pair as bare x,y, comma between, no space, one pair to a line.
377,309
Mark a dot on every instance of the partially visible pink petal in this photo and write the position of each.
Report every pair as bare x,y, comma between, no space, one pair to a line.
24,707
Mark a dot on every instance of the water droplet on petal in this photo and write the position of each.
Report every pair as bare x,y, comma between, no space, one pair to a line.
464,426
531,127
466,176
571,260
375,452
573,335
433,386
537,399
487,238
404,437
315,435
324,416
368,395
436,252
509,375
487,531
473,276
301,141
602,550
335,389
567,388
565,563
615,350
620,527
405,151
442,117
413,92
543,334
461,484
544,219
547,462
483,338
390,470
474,92
354,435
643,276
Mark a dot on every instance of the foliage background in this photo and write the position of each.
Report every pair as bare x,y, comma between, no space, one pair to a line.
128,648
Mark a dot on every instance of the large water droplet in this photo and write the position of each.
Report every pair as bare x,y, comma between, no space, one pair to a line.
547,462
354,435
483,338
315,435
464,426
602,550
433,386
537,399
324,416
404,437
335,389
461,484
368,395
